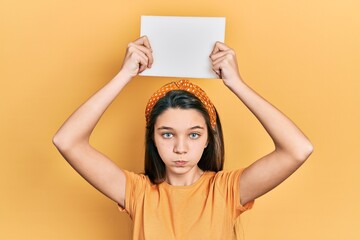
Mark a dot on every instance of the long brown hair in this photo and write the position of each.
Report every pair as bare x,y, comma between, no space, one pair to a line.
212,158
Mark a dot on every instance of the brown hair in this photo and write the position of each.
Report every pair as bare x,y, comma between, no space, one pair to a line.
212,158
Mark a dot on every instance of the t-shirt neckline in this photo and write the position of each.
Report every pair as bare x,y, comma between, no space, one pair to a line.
197,182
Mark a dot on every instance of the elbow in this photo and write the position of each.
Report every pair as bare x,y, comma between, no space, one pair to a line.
57,141
65,143
299,152
308,150
61,143
304,152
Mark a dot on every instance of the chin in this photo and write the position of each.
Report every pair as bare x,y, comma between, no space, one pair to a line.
180,169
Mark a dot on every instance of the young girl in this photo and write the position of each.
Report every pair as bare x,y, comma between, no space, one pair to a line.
184,194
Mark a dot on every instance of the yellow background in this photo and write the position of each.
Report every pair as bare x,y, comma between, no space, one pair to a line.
303,56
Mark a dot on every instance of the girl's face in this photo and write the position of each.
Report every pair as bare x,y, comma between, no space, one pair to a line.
180,136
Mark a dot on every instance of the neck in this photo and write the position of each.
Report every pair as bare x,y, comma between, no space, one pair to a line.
185,179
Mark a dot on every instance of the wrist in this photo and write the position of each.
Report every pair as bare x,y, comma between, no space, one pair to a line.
123,76
234,82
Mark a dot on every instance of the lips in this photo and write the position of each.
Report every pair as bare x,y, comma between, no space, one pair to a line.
180,163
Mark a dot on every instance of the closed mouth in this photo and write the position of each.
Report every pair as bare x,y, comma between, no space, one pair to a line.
180,162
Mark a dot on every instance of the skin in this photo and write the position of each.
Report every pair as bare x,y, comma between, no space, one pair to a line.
291,147
181,137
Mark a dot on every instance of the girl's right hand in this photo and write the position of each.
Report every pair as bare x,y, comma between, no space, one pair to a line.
138,57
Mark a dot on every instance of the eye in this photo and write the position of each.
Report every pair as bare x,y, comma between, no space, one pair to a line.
167,135
194,135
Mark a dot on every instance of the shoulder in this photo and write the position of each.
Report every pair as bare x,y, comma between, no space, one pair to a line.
136,185
226,177
223,177
136,178
228,184
224,181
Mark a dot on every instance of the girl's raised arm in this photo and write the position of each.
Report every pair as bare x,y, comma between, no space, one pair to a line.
292,147
72,139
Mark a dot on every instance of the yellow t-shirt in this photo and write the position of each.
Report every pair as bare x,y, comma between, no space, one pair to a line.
206,209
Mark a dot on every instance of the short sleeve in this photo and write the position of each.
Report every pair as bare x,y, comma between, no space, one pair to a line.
228,183
134,190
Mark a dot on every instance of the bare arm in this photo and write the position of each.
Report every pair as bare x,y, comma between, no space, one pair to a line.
292,147
72,139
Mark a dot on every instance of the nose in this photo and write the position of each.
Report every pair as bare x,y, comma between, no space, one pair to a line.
180,146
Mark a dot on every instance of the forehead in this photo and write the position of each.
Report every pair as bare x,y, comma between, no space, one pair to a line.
180,118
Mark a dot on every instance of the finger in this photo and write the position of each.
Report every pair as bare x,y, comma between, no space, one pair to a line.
216,65
143,65
142,60
139,58
148,52
218,72
136,49
143,41
220,61
146,43
217,55
228,58
145,50
219,46
222,53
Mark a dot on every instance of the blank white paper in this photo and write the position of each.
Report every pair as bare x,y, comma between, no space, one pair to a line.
182,45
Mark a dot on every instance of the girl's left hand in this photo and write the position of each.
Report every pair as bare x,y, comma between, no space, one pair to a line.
225,64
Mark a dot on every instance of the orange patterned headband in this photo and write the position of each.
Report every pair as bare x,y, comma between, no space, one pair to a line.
186,86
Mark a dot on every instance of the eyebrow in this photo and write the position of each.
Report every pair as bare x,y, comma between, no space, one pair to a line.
170,128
